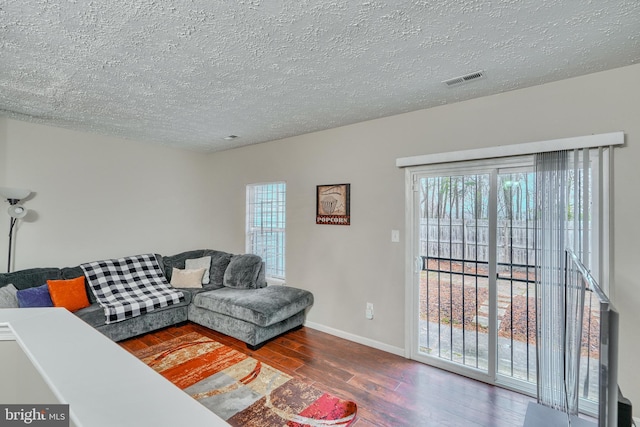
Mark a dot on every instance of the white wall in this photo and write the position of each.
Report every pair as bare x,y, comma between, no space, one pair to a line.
100,197
3,151
345,267
3,206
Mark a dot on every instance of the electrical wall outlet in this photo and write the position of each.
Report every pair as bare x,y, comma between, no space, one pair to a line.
369,311
395,236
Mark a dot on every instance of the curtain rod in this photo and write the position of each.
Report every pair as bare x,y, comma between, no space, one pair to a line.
588,141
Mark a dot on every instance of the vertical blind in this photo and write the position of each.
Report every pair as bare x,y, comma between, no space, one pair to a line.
564,199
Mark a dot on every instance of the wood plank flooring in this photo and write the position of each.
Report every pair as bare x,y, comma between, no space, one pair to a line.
389,390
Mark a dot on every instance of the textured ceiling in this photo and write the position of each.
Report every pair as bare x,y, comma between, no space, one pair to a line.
187,73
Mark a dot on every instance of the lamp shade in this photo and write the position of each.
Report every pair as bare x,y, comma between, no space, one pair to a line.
17,211
14,193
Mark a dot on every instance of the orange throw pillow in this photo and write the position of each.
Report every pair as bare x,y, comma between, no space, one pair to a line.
70,294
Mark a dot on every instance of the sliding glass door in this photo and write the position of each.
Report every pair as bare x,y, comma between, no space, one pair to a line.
516,275
475,241
473,244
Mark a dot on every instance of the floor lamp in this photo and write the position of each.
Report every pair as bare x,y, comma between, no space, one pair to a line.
16,211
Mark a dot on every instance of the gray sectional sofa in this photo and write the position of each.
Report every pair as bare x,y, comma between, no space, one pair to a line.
253,313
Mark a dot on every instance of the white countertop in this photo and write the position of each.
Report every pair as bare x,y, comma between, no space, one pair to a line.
103,384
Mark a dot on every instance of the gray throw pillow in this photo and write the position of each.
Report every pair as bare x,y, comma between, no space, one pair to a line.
197,263
245,272
8,298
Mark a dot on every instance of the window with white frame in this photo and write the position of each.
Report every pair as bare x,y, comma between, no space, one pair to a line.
266,219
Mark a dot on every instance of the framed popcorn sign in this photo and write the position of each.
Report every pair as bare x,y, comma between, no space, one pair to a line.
333,204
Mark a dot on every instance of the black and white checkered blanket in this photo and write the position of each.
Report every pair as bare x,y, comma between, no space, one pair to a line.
131,286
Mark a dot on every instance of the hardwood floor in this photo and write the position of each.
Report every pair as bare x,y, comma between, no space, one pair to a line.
389,390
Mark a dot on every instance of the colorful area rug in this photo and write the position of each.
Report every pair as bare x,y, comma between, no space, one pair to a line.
242,390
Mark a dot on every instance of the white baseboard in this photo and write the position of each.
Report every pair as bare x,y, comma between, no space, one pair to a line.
356,338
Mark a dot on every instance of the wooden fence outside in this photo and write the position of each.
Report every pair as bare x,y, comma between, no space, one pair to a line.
469,240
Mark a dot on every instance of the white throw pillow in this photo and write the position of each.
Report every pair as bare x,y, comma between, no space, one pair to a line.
204,262
187,278
8,297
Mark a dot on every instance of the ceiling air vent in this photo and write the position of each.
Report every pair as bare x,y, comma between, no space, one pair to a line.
456,81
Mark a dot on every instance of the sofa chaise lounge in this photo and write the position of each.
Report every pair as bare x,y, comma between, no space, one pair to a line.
233,299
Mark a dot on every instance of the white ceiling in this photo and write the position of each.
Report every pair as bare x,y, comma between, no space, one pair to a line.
187,73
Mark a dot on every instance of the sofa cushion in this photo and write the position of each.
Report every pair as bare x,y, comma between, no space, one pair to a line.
219,262
204,262
70,294
94,314
34,297
245,272
263,307
30,278
8,298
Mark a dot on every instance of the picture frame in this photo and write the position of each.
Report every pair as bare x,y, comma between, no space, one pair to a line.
333,204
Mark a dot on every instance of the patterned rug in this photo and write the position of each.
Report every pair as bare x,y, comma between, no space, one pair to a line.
242,390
